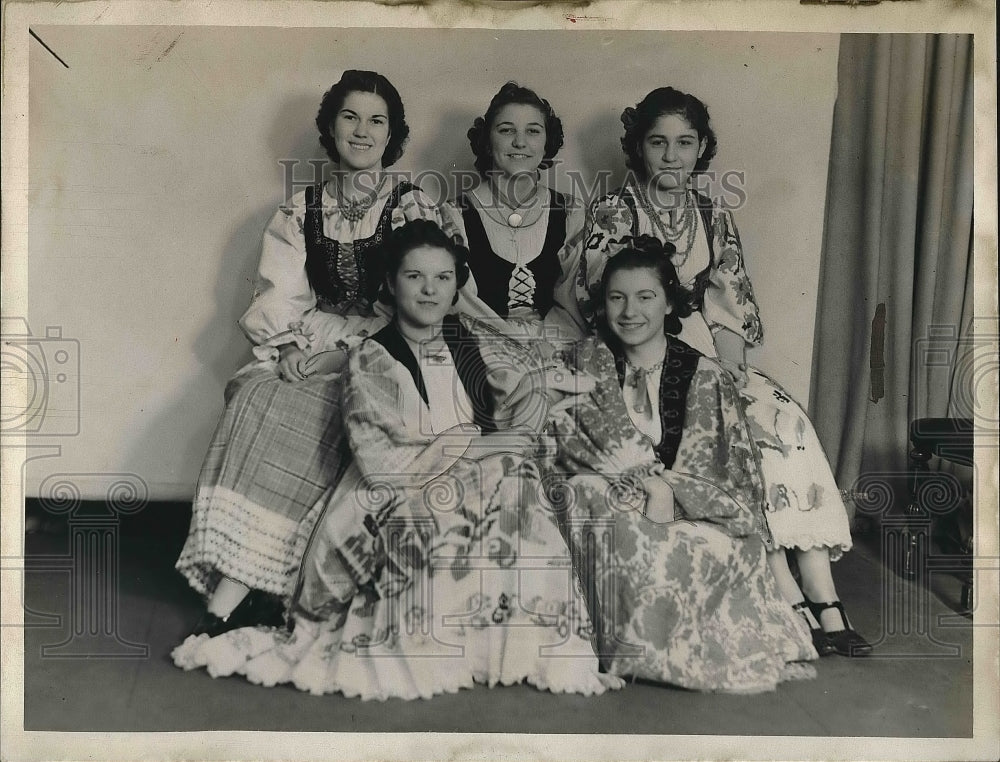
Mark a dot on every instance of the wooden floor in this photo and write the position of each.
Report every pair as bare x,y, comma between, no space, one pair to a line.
918,683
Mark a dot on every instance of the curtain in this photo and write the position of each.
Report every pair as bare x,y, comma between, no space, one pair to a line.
896,271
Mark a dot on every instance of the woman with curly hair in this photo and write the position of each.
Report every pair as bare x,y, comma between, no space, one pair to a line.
668,140
279,444
656,471
438,562
524,237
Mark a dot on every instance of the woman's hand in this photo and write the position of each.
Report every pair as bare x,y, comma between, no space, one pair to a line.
659,500
289,357
568,381
737,371
500,442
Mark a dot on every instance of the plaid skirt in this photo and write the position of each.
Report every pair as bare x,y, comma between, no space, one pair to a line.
278,447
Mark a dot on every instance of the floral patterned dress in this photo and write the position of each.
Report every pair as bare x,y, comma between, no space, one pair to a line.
803,503
278,445
432,568
689,602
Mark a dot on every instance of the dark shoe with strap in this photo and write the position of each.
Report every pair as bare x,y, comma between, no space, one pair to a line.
821,642
257,609
846,642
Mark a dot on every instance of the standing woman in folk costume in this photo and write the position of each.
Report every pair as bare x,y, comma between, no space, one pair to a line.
438,562
279,443
668,139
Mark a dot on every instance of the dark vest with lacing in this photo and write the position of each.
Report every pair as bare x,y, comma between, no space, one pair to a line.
492,272
349,275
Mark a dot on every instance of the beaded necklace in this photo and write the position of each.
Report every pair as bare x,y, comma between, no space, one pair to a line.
686,228
353,211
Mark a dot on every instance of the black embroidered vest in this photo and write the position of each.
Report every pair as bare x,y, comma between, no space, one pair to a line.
356,281
492,272
679,365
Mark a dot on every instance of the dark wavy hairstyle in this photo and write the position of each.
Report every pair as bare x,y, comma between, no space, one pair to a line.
646,253
355,81
639,121
413,235
479,132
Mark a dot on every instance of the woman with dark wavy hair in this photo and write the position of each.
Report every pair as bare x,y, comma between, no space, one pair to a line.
524,237
668,141
656,464
279,443
438,562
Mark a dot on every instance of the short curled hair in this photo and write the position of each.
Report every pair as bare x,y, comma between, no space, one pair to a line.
479,132
662,101
355,81
412,235
645,252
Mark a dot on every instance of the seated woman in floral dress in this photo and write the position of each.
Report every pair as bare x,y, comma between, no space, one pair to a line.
438,563
278,444
668,141
661,495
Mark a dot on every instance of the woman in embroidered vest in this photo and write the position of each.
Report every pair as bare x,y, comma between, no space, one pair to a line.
278,445
656,469
437,563
524,237
667,141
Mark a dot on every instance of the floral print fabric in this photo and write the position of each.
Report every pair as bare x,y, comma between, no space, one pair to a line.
432,568
721,281
689,602
803,504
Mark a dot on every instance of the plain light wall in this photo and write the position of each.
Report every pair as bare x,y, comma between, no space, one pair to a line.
154,167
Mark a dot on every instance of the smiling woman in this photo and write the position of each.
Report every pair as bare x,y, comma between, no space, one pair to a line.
438,561
683,595
278,445
524,237
668,141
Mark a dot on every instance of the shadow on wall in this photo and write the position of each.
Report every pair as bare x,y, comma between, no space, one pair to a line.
449,153
602,160
221,347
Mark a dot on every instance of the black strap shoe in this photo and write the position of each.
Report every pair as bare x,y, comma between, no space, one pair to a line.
821,642
846,642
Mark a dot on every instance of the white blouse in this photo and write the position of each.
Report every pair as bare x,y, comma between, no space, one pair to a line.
283,300
448,402
647,422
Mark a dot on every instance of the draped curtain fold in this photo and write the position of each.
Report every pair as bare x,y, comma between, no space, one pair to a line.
896,274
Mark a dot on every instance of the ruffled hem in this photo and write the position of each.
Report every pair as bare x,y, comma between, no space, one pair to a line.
836,547
315,663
